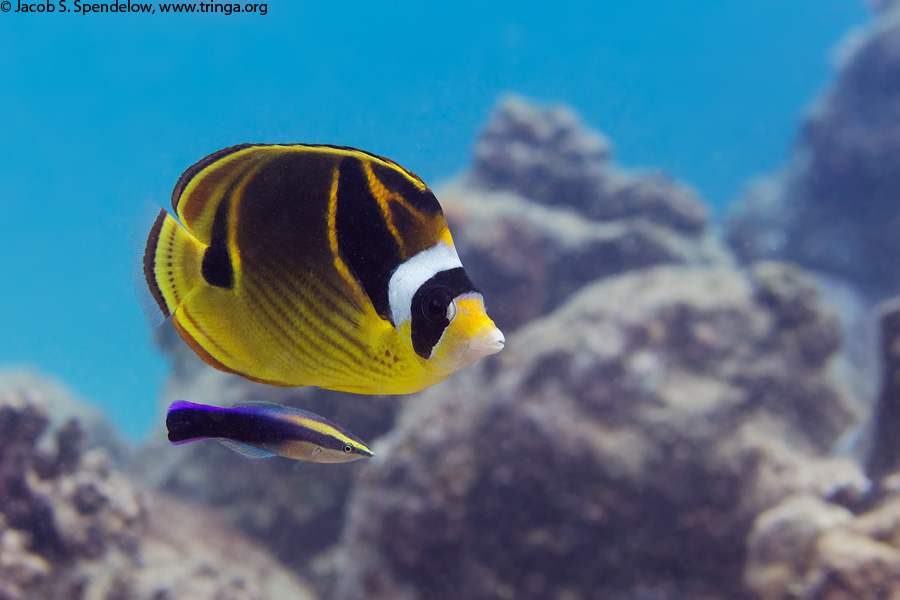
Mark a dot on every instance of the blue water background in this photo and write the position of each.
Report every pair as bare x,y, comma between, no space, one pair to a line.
99,114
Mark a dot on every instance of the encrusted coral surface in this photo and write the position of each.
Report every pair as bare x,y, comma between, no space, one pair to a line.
72,526
624,446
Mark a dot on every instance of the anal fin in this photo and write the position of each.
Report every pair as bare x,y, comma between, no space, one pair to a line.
245,449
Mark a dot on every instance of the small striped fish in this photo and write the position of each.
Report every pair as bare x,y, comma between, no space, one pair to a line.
260,429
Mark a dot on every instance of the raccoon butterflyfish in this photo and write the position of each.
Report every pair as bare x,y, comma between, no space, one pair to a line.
316,265
260,429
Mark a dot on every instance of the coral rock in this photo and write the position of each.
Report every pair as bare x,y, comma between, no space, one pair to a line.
835,206
623,448
72,526
809,549
544,212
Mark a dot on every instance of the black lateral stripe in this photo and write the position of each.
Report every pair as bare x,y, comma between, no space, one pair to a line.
150,263
444,285
195,168
255,427
364,239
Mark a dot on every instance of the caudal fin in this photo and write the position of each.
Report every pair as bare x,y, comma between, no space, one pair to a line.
172,263
187,422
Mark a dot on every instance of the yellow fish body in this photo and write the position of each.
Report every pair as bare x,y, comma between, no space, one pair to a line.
316,265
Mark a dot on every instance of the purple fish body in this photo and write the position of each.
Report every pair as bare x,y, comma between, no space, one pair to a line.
260,429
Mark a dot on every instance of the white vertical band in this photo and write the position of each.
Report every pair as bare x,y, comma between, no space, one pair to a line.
410,275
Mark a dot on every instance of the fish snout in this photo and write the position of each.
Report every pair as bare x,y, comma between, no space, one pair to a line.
489,340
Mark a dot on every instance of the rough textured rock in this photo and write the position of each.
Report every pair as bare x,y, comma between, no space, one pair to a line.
655,401
834,208
620,448
808,549
544,211
63,406
71,526
885,458
548,156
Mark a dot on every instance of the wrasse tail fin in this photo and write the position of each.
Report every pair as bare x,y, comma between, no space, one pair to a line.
187,422
172,263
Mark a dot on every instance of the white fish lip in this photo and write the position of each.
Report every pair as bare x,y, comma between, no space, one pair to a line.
489,340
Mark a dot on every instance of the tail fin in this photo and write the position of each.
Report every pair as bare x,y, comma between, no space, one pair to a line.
172,262
187,422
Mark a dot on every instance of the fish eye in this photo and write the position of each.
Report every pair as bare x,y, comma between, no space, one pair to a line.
348,448
436,305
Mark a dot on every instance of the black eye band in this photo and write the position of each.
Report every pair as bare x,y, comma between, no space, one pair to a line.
429,307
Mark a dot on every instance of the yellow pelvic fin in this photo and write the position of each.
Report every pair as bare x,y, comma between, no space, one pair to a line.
172,263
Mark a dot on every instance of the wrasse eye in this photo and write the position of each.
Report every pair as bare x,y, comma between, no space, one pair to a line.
436,305
348,448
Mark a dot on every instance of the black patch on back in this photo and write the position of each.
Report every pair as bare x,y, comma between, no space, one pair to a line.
429,307
364,239
282,211
216,268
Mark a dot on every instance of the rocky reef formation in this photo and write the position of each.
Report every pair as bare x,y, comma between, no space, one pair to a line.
885,457
622,449
834,209
654,404
544,211
835,206
72,526
664,423
809,549
526,252
63,407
